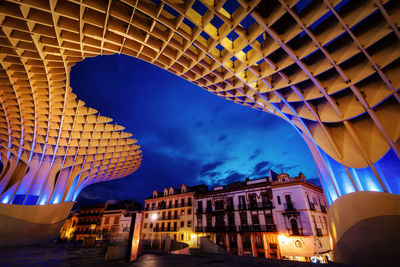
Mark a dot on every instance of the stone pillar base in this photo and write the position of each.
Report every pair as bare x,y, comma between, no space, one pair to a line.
31,224
364,228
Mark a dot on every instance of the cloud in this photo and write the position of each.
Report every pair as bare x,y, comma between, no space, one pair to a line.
255,154
212,174
233,177
221,138
209,167
261,167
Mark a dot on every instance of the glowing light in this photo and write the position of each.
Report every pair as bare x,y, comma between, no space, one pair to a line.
154,216
5,200
283,239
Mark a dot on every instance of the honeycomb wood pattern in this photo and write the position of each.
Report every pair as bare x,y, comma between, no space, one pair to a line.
328,67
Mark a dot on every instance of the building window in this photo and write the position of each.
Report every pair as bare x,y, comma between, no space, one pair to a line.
253,200
145,225
106,220
242,203
176,203
151,225
269,219
147,206
279,200
182,202
231,219
209,208
182,223
146,215
189,201
255,219
182,212
189,211
182,237
199,207
189,223
219,205
243,218
230,204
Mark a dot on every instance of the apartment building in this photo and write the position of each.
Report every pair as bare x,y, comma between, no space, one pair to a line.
275,217
300,215
170,212
116,220
101,221
86,222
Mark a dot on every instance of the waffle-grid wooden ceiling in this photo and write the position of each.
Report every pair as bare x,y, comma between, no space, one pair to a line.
329,67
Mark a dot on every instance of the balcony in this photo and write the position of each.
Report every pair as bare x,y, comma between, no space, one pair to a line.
290,208
257,228
166,229
216,229
319,232
229,208
260,206
218,211
312,206
163,207
298,231
164,218
242,206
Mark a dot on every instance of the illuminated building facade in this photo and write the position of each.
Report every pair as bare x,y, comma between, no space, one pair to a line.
170,213
88,221
273,217
301,217
116,220
111,220
329,68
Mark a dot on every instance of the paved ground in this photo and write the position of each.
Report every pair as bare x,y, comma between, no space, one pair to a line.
74,255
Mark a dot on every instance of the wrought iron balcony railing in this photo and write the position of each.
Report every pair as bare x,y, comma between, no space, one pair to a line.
290,207
298,231
166,229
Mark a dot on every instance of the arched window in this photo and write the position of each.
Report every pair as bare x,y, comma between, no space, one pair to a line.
165,192
171,191
154,194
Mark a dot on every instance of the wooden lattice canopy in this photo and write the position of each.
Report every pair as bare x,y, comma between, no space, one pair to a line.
329,67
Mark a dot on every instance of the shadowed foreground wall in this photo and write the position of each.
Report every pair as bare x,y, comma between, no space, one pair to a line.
365,228
31,224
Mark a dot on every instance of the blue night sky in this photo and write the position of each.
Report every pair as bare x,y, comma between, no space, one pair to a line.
187,134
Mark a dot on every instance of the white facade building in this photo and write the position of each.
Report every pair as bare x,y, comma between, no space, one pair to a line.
273,217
